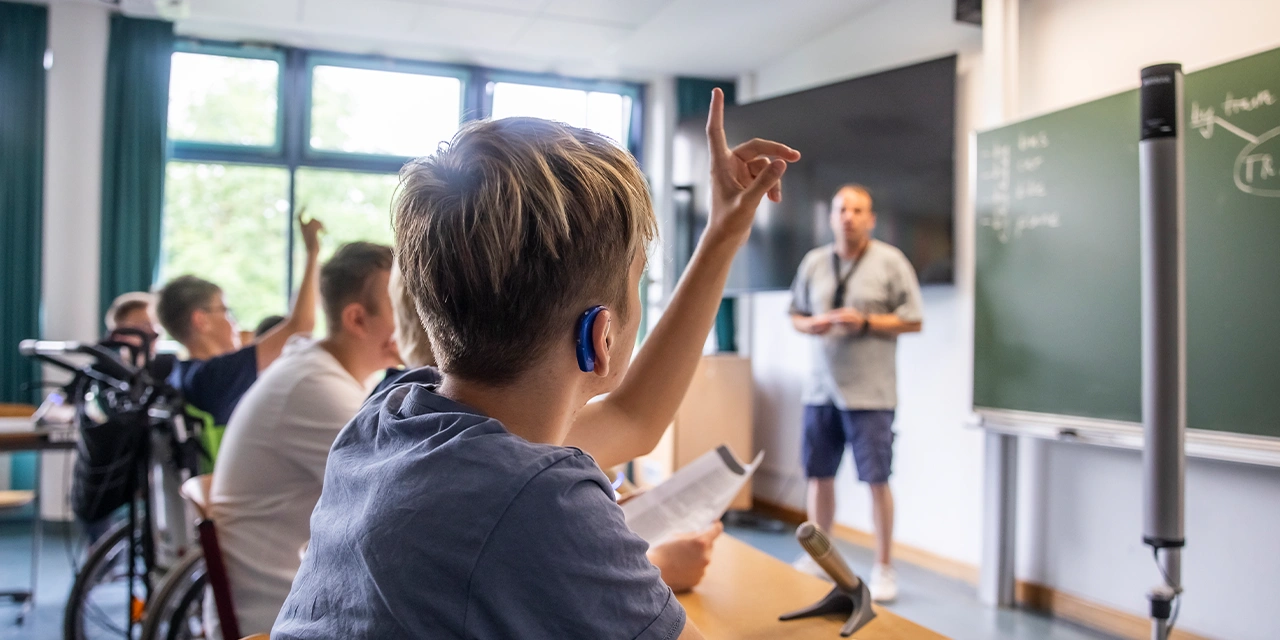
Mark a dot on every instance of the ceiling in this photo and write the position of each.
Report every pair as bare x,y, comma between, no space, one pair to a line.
628,38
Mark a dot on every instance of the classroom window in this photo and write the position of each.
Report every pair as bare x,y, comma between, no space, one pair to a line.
606,113
382,112
257,133
224,100
226,223
353,205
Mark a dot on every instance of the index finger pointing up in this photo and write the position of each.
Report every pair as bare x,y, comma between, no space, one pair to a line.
715,124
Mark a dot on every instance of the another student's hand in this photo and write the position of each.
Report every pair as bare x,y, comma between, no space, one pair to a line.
684,561
740,177
310,232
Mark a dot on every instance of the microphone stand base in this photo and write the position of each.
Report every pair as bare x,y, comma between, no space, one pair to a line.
856,604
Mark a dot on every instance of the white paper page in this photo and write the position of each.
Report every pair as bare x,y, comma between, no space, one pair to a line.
691,499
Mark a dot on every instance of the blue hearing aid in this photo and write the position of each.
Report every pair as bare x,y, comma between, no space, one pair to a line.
587,350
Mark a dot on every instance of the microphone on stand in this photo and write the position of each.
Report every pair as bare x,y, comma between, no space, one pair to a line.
850,595
819,547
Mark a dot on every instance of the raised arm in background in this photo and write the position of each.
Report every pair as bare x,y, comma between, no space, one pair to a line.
302,317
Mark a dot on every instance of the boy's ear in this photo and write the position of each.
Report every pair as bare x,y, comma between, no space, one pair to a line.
602,341
199,321
354,318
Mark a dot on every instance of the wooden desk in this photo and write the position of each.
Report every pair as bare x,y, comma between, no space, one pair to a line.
21,437
745,590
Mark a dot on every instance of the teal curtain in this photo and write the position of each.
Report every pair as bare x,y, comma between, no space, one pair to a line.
133,151
23,28
693,96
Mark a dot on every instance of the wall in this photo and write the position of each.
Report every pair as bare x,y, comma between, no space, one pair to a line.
1079,507
73,190
938,461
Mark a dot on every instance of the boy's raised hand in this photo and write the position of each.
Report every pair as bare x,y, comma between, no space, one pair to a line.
741,176
310,232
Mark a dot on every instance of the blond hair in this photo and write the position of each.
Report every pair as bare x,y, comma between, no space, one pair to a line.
125,304
509,232
411,336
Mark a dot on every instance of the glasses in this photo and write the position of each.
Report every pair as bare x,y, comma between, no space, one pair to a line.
224,309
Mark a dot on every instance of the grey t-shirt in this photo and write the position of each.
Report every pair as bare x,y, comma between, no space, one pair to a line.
437,522
848,370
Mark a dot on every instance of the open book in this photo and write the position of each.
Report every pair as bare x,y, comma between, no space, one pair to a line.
693,498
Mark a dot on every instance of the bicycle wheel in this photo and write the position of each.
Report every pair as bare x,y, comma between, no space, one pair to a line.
101,605
176,611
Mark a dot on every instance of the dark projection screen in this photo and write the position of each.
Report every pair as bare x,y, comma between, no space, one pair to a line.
893,132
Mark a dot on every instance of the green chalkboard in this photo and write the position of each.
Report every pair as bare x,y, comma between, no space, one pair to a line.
1056,318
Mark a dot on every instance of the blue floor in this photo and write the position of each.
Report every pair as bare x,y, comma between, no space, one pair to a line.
947,606
54,581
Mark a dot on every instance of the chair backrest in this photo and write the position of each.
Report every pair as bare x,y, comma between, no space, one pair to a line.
198,490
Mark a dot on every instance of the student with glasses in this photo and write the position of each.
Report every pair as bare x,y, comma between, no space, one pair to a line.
220,369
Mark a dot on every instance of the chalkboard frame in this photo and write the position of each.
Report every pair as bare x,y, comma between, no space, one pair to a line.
1117,434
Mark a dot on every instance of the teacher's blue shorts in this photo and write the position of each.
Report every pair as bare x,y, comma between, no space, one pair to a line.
869,434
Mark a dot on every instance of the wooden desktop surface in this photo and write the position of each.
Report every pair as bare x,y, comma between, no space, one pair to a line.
746,589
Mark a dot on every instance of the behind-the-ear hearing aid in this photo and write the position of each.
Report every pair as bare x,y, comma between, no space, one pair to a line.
586,347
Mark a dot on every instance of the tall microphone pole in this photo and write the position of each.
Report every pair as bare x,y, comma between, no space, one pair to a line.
1164,370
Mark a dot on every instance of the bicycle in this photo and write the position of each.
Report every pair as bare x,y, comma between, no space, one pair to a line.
134,452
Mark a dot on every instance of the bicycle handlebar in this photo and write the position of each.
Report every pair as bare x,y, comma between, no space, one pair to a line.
107,361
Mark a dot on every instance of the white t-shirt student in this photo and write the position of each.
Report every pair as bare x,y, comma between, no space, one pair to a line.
270,471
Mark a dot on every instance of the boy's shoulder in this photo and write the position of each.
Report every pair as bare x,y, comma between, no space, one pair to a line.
420,434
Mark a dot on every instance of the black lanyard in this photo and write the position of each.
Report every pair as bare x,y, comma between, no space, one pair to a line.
842,282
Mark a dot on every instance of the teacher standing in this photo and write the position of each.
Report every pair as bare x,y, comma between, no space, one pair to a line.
854,297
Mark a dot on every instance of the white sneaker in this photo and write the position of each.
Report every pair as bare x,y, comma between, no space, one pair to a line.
806,564
884,583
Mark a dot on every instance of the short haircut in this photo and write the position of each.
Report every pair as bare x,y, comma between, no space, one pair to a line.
125,304
853,186
510,232
179,299
347,277
411,336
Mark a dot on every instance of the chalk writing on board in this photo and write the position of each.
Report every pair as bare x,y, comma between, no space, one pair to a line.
1038,140
1255,170
1030,189
1002,163
1028,165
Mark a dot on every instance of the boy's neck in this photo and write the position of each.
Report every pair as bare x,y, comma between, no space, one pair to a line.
354,356
538,408
202,349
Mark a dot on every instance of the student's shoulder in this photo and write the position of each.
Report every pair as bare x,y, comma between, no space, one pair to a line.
563,484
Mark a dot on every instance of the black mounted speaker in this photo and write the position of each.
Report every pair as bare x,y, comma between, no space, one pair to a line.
969,11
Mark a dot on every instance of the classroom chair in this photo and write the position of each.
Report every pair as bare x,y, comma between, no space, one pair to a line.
197,491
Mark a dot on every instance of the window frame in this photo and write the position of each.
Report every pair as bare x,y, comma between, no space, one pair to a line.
325,59
197,149
292,149
636,91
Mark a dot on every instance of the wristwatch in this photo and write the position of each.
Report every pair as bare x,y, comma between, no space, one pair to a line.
866,327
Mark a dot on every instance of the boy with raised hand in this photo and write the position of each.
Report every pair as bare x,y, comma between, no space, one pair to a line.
220,370
272,462
455,510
